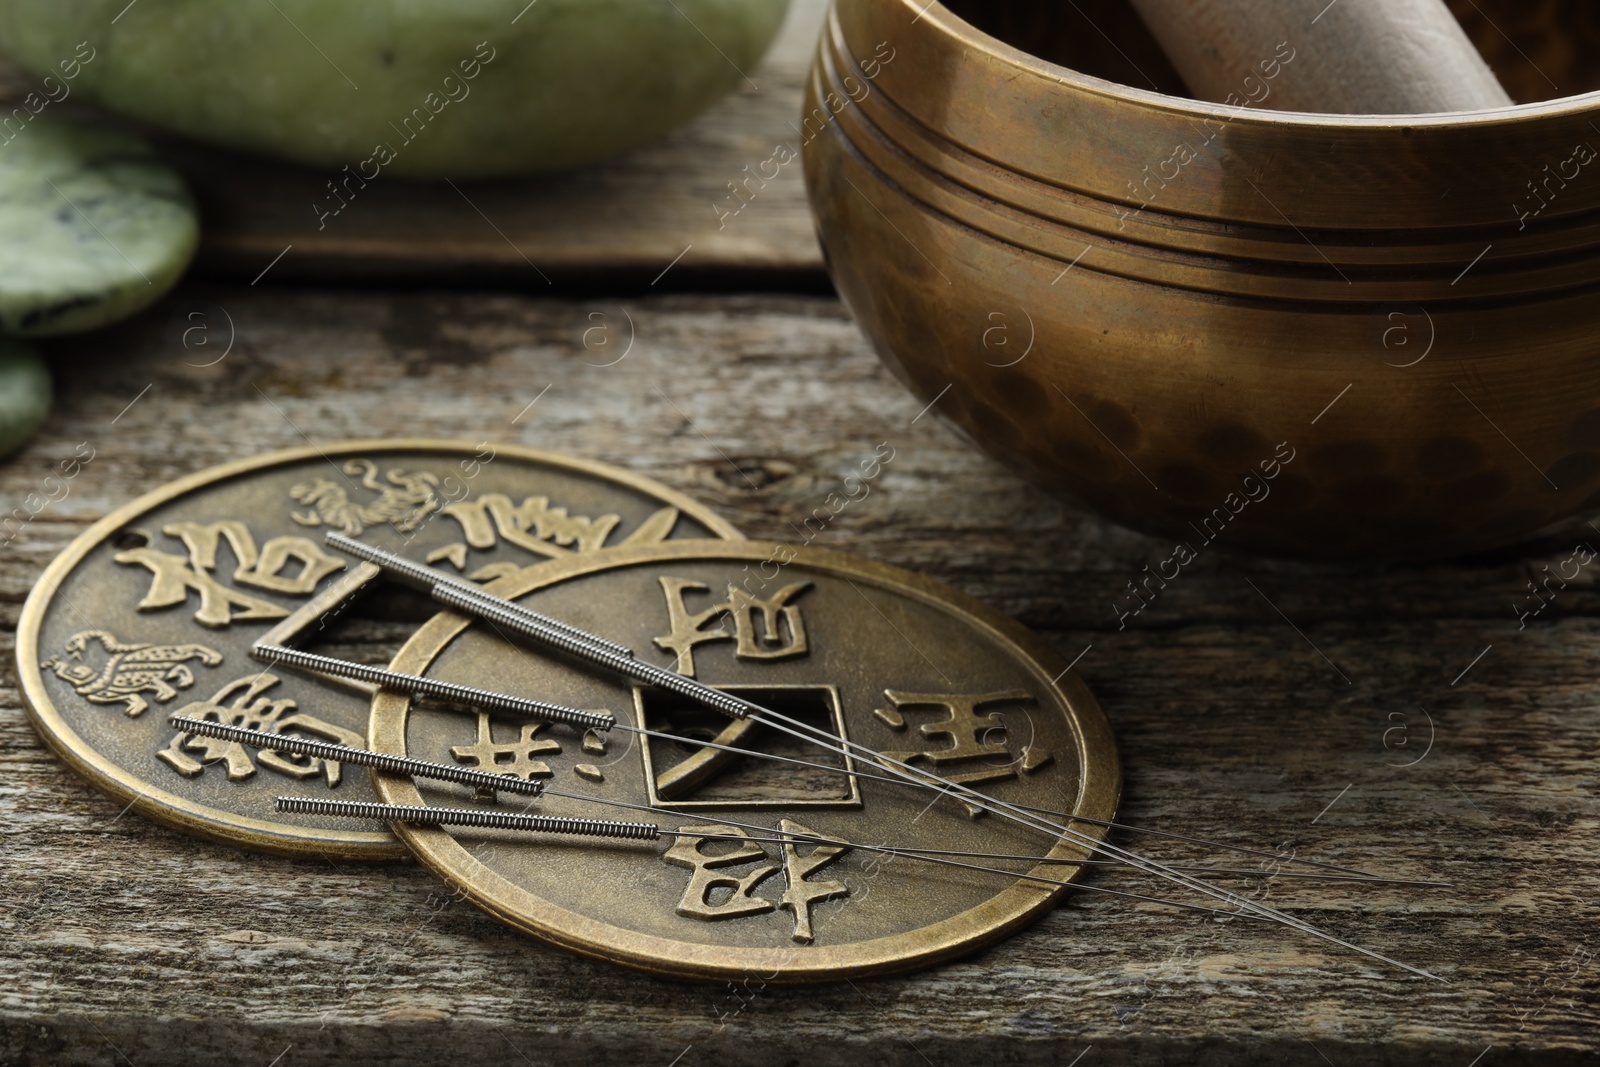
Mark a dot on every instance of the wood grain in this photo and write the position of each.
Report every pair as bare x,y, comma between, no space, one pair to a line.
124,942
630,216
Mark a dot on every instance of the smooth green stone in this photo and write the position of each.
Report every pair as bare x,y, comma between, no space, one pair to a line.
93,227
328,83
24,394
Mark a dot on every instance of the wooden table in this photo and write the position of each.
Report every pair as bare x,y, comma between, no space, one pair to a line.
1256,702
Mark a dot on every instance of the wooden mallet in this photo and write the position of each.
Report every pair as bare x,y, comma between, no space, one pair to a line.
1375,57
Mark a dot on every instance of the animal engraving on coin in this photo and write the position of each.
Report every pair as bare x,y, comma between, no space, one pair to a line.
766,642
404,503
242,702
701,899
172,577
129,669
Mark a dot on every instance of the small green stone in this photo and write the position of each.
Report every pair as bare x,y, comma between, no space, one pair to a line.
24,394
94,227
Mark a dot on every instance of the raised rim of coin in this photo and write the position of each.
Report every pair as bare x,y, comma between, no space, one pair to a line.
163,806
1100,784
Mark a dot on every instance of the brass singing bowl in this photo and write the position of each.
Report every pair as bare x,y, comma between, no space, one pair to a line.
1151,303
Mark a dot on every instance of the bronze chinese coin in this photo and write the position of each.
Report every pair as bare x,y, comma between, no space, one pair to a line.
874,660
153,610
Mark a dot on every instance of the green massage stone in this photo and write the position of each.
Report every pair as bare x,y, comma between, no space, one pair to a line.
24,394
93,227
421,88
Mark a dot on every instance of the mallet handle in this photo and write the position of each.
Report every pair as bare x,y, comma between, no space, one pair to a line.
1375,57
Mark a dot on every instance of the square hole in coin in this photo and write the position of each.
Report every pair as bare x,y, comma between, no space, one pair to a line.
686,775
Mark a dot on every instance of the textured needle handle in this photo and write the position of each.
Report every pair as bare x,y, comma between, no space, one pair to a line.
503,613
364,757
425,578
470,695
420,815
1356,57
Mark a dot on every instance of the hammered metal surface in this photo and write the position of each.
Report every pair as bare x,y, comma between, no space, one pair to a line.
1146,302
153,609
890,660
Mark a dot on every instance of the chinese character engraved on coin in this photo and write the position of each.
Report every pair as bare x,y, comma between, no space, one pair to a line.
514,757
711,872
971,734
172,577
242,703
763,641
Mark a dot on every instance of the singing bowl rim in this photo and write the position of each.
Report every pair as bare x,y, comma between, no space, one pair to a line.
990,121
961,30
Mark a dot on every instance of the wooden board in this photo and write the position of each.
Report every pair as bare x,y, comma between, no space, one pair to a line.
124,942
629,217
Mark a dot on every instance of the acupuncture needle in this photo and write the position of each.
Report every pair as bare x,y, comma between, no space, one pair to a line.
489,607
276,654
327,750
422,577
279,655
1354,874
1011,813
1203,841
920,853
509,783
575,641
581,644
425,686
1351,874
643,831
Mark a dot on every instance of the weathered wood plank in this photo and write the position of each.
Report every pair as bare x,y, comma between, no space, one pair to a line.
124,940
632,214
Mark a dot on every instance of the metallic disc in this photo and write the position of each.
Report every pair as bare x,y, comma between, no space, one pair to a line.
868,652
153,609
